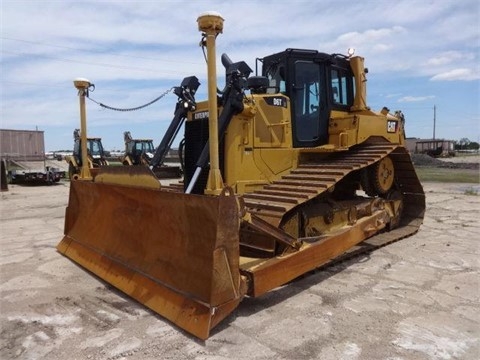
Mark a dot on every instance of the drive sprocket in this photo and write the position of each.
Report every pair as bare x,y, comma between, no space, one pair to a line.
383,175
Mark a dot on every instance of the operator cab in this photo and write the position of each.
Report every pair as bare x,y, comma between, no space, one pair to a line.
94,149
316,84
139,147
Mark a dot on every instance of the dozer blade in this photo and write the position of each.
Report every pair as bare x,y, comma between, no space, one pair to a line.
177,254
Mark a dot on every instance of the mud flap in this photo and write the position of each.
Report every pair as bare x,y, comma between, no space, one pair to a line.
178,254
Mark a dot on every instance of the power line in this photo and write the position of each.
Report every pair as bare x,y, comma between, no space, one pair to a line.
33,84
100,51
93,63
56,85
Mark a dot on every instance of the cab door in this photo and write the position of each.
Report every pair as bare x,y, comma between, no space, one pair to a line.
309,104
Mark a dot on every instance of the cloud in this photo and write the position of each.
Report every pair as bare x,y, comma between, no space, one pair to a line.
382,47
456,75
446,58
388,96
371,35
415,98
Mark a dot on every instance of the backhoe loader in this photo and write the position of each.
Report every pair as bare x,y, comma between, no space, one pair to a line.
95,154
286,170
140,152
137,151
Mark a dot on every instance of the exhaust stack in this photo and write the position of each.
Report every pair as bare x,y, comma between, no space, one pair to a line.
359,72
211,24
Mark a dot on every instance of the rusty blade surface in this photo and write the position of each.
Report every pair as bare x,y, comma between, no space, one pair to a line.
177,254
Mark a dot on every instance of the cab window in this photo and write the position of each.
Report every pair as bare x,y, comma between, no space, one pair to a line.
276,79
341,87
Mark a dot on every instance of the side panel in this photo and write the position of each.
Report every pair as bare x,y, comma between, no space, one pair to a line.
258,143
347,130
273,128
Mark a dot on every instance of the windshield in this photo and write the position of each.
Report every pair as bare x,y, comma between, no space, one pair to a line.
95,147
144,146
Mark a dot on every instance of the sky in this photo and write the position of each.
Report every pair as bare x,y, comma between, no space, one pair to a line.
421,55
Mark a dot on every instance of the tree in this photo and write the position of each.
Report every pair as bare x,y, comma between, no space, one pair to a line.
462,144
473,145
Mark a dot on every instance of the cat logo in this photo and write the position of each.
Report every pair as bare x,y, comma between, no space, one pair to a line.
392,126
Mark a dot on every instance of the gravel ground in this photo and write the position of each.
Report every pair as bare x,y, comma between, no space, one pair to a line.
415,299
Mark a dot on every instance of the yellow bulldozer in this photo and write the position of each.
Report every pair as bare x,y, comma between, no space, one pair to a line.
285,171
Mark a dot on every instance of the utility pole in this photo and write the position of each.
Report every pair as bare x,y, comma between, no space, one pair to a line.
434,119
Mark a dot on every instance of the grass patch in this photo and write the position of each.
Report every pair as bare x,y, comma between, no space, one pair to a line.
471,191
446,175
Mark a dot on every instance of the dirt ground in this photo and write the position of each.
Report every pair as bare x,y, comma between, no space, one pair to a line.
455,162
415,299
461,158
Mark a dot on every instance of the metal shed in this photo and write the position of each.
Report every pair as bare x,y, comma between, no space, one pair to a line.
22,145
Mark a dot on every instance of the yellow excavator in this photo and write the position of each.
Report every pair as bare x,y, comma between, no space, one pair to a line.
285,171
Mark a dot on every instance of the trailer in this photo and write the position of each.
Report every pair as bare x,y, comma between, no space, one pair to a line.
48,175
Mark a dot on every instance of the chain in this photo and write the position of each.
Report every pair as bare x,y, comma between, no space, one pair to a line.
130,109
